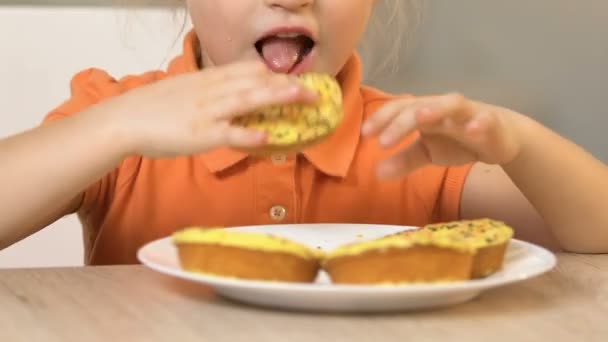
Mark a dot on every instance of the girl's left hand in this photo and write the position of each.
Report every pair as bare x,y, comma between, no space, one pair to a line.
453,130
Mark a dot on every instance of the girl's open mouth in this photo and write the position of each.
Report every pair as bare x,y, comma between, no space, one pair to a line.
286,52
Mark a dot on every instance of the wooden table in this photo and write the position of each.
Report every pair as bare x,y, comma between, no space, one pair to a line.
131,303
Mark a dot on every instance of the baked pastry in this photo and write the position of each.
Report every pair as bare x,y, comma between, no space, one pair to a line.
293,127
443,252
418,257
489,237
245,255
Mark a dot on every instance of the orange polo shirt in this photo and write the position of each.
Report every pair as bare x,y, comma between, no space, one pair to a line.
334,182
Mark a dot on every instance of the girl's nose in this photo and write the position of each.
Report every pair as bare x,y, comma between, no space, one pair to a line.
291,5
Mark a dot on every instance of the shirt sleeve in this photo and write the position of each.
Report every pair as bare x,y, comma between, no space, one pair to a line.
440,188
87,88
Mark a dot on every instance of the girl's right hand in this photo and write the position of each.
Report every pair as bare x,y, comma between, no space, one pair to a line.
192,113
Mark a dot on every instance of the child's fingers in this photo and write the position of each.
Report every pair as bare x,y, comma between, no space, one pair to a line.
477,130
473,133
487,135
438,150
402,125
248,100
456,118
435,109
242,137
239,86
383,117
445,113
224,134
433,114
409,159
454,107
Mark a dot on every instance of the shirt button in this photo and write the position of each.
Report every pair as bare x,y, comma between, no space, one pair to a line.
278,213
279,159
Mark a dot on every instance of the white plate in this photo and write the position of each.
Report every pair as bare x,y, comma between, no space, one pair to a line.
523,261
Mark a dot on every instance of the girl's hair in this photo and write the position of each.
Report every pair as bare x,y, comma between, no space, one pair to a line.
390,34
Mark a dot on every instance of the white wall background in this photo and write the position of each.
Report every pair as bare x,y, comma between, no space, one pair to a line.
545,58
41,49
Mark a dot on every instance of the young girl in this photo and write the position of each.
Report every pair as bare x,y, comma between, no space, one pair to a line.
143,156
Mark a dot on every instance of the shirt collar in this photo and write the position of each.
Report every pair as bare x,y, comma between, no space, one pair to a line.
333,156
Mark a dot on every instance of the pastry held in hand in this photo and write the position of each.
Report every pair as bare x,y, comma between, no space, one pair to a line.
293,127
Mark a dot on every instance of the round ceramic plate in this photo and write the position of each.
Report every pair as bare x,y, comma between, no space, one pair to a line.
522,261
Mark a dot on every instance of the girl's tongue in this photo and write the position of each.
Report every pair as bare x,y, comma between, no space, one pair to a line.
282,54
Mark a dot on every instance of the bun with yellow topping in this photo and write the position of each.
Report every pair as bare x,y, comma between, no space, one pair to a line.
444,252
293,127
489,237
452,251
245,255
419,257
